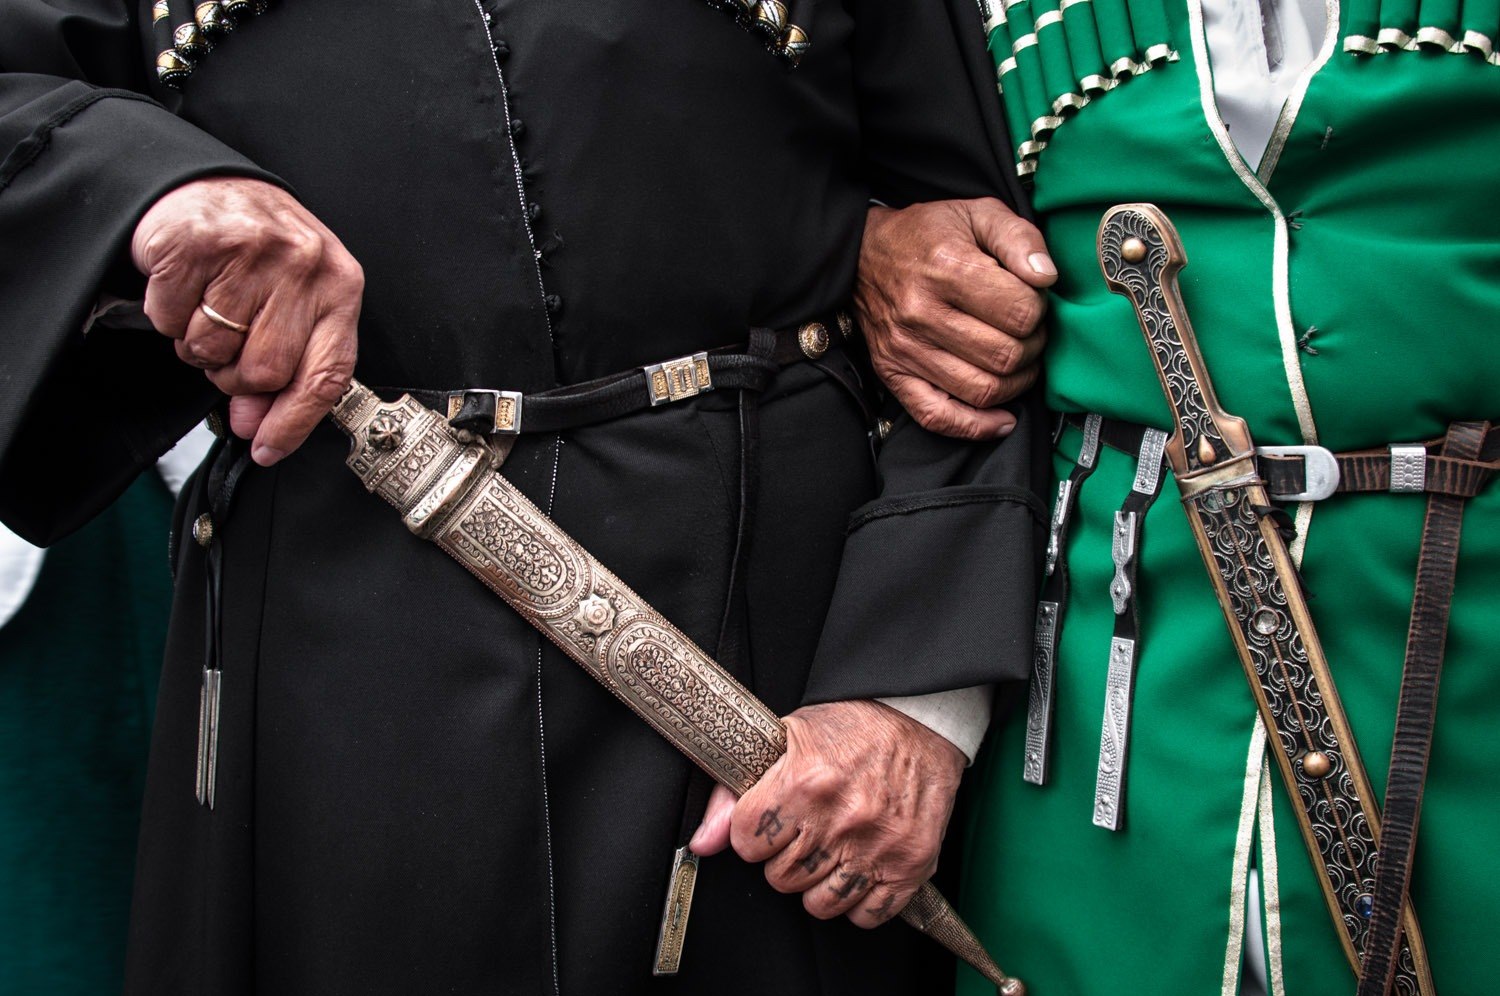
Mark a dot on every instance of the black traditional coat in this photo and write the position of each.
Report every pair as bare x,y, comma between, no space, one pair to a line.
414,794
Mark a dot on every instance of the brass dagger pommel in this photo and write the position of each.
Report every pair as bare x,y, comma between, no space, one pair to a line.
1141,254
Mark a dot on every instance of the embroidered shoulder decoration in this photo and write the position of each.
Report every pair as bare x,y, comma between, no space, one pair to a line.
187,30
773,21
1052,57
1462,27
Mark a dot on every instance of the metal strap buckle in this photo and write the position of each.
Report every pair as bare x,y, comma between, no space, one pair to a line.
1408,468
507,407
1320,471
676,379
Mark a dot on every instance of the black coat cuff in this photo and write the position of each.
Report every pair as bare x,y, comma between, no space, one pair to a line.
937,586
80,415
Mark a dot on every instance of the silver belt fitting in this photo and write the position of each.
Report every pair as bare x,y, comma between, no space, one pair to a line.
1319,467
1408,468
507,409
676,379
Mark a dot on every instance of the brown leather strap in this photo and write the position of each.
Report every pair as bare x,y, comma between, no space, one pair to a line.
1360,471
1416,711
1370,470
1448,473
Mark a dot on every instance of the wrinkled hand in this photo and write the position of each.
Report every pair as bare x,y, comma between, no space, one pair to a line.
258,258
852,816
949,298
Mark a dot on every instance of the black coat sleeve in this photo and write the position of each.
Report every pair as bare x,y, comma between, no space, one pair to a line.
83,153
938,582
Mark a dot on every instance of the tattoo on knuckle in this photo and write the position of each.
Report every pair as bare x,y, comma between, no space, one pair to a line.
848,883
813,861
769,825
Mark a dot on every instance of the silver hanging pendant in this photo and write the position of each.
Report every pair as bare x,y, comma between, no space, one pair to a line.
208,736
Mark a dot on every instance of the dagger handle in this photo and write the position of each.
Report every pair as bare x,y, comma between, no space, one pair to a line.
1257,587
1141,254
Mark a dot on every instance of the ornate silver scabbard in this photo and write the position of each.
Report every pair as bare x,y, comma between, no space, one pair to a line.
1213,459
448,489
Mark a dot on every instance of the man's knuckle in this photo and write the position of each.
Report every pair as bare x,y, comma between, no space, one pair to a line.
744,845
1005,357
1023,314
911,303
780,879
936,416
261,376
815,904
820,780
1016,229
327,386
943,255
868,808
985,391
886,370
352,275
302,247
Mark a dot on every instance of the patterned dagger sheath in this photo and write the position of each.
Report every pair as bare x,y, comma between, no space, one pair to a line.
1213,459
448,489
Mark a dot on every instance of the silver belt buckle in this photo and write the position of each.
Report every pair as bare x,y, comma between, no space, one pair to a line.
1320,471
676,379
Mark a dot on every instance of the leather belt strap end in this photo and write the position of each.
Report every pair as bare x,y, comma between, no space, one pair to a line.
498,411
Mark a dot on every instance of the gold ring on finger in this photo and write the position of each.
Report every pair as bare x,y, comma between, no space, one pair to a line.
219,319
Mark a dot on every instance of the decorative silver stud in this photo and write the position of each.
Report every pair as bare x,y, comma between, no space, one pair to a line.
595,615
384,433
814,340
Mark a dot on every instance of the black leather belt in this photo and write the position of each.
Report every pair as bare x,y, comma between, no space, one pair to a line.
747,367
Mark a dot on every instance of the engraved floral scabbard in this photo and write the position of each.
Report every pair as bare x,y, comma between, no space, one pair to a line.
1212,457
448,489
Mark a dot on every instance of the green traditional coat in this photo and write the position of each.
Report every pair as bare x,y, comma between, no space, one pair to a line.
1348,296
78,673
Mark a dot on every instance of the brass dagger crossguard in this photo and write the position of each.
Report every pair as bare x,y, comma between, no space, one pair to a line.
1213,459
448,489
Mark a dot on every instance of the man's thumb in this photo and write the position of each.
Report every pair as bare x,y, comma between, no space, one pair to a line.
712,835
1012,240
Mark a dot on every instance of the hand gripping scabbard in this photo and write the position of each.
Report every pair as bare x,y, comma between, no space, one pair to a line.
448,489
1213,459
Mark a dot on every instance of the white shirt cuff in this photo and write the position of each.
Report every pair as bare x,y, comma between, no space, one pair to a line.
961,716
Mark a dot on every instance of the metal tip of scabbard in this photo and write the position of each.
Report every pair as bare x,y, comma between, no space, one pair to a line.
1011,987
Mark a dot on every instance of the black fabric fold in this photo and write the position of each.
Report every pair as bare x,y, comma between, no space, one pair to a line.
939,575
